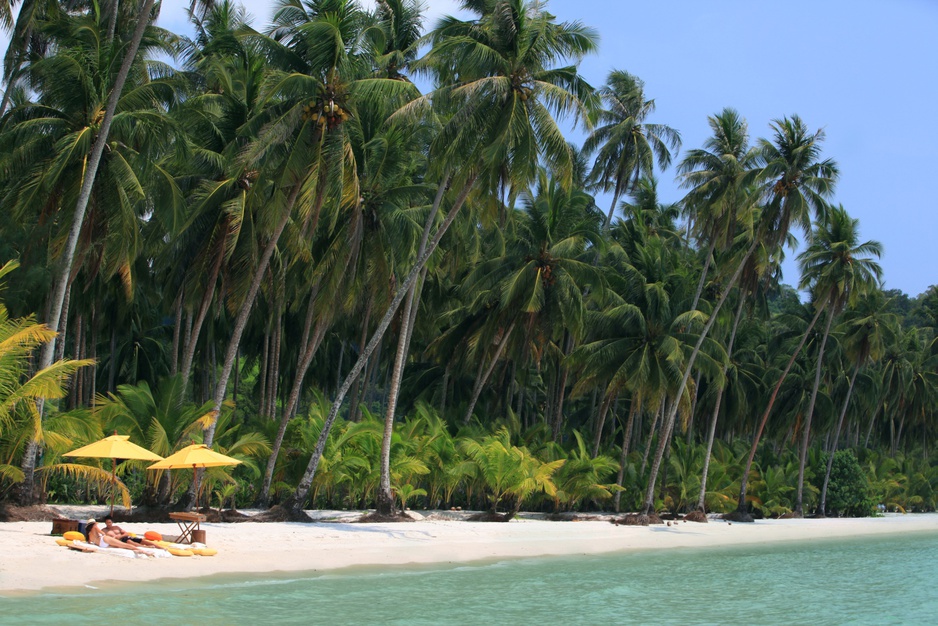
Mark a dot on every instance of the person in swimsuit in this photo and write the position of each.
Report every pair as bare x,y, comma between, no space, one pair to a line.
113,530
99,538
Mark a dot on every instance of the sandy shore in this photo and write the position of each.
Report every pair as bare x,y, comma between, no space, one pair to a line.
30,560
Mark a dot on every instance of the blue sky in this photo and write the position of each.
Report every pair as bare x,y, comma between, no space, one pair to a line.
864,71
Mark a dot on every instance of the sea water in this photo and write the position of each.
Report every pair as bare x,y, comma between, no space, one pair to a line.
872,580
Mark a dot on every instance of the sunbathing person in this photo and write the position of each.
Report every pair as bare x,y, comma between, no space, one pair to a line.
98,538
113,530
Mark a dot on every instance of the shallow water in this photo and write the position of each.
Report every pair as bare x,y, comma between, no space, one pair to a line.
860,581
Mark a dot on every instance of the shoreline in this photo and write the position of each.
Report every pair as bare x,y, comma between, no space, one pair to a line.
32,563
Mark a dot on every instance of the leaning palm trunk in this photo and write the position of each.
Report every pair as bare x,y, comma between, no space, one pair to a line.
61,281
703,274
635,407
672,411
309,347
289,410
385,498
744,482
701,504
806,433
295,503
200,318
822,507
601,421
245,312
481,380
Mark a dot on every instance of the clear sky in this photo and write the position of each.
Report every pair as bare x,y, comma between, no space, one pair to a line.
865,71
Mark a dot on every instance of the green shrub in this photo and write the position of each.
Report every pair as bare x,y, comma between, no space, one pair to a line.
848,493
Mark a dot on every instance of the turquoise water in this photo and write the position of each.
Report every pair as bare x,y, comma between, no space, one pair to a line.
859,581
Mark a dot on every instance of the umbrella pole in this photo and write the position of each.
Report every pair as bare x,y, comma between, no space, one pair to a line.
195,477
113,482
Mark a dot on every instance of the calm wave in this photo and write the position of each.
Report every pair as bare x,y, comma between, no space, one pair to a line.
861,581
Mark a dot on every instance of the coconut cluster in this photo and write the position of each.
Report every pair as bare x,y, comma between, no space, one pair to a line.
325,113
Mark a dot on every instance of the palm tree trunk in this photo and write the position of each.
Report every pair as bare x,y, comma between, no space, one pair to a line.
600,422
744,482
273,381
806,433
651,434
703,274
296,502
94,358
359,383
25,491
481,380
177,332
869,430
444,386
822,508
385,498
204,305
63,325
634,408
701,505
561,388
672,412
262,373
289,409
693,408
245,312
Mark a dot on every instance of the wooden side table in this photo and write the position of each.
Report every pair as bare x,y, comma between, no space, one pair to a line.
187,522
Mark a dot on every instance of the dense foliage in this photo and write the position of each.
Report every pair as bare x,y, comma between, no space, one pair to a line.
271,241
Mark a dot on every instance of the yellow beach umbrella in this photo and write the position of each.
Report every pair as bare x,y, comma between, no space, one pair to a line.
195,456
114,447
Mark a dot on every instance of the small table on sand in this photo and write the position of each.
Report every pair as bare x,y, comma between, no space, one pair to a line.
188,523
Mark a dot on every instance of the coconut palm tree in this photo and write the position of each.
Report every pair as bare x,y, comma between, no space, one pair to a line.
540,281
837,269
628,146
721,182
867,328
797,183
717,176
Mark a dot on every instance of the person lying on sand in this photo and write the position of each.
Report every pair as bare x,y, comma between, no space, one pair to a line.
113,530
98,538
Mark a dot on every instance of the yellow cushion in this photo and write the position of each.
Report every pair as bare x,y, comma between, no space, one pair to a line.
179,552
204,551
73,535
63,542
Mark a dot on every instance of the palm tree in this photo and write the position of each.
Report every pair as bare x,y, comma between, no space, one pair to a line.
721,182
21,424
717,176
541,278
836,270
628,146
396,36
797,183
498,86
867,328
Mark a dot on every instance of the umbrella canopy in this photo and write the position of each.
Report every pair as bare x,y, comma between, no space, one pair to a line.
114,447
195,456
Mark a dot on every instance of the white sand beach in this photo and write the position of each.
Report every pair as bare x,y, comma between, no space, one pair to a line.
30,560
